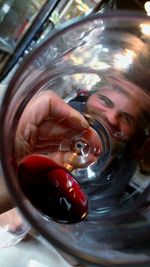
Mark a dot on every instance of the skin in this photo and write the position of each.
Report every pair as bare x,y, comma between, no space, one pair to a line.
119,107
46,119
48,126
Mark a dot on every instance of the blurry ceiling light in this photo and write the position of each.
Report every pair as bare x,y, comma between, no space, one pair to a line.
83,6
147,7
5,8
145,28
99,65
105,49
123,60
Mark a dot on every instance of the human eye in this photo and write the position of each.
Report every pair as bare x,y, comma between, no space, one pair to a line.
128,119
105,101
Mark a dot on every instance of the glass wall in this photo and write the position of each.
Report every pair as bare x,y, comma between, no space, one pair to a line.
15,18
70,9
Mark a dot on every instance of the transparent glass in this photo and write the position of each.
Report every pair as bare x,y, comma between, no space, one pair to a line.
13,228
15,19
75,139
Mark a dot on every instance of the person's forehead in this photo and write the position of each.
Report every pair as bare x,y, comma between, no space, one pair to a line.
132,95
124,86
122,89
112,90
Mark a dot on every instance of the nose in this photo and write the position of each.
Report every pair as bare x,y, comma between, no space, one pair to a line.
112,117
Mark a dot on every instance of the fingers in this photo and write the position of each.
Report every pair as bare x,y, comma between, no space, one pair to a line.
46,117
62,112
48,105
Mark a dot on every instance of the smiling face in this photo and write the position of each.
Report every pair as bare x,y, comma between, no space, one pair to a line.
119,107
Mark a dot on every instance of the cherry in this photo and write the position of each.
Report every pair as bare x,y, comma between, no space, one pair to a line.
52,189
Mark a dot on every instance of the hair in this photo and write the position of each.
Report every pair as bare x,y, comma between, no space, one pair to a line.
133,81
139,70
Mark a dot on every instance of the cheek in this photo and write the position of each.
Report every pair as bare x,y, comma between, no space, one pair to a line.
95,106
127,130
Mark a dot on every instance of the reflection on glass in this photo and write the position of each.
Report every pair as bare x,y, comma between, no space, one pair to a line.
82,116
97,135
13,228
15,19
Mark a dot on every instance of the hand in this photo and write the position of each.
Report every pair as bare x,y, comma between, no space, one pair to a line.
46,125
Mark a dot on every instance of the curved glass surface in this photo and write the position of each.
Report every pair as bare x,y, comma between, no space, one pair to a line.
76,136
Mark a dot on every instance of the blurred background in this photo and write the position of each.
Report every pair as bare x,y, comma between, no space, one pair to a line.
25,24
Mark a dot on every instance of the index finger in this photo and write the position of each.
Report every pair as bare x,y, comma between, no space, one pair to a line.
50,105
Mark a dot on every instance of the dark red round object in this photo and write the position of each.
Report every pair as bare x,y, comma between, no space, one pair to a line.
52,189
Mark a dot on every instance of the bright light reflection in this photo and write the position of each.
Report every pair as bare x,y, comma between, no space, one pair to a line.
105,49
69,184
123,60
99,65
145,28
90,173
147,7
